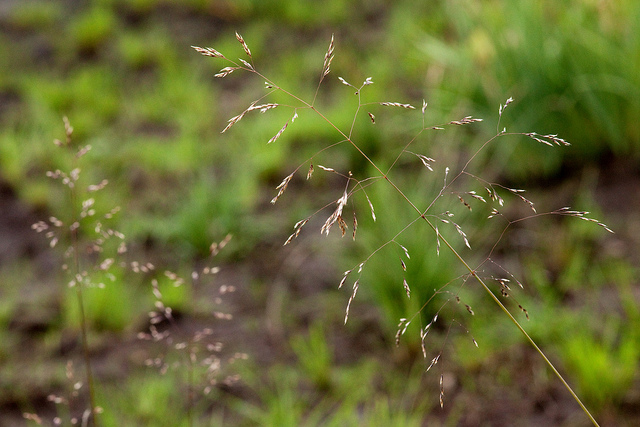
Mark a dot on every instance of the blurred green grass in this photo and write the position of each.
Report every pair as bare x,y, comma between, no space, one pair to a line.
124,74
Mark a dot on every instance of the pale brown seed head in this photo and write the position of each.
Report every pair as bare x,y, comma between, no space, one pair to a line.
397,104
244,45
208,51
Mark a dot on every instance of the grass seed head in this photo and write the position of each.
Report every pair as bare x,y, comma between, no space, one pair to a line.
208,51
244,45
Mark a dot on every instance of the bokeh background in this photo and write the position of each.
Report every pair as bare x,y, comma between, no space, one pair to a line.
124,74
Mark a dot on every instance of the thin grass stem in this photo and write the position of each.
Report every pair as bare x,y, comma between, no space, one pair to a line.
80,299
422,214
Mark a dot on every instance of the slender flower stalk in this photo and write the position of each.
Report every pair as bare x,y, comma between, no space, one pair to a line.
354,185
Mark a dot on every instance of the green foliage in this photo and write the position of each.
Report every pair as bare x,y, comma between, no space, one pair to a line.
353,400
602,347
178,297
605,366
383,275
145,400
35,15
92,28
122,73
109,304
563,65
315,356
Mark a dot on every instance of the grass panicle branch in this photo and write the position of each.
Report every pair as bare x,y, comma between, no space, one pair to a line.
200,354
62,231
355,185
91,250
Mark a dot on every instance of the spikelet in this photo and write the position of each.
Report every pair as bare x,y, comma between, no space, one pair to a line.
328,57
336,215
397,104
353,295
208,51
550,139
277,135
296,230
226,71
464,121
244,45
282,187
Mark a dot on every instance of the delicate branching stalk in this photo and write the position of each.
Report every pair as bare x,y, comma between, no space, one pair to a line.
515,322
74,228
200,351
550,139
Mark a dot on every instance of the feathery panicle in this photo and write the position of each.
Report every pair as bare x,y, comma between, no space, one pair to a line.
448,188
